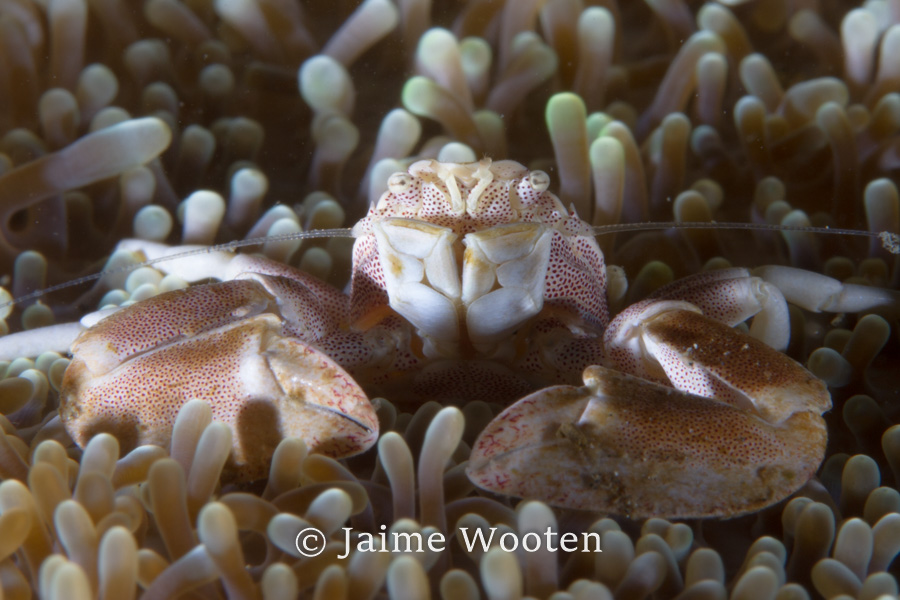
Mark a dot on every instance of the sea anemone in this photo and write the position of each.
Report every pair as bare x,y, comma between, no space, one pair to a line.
206,121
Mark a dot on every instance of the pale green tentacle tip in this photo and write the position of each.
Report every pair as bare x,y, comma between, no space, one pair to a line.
217,527
419,95
501,574
565,111
596,124
329,510
139,141
457,152
279,581
152,223
324,213
407,579
326,85
607,152
435,45
336,135
317,262
475,55
37,315
830,367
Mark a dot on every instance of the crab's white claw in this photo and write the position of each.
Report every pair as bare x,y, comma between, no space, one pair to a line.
223,344
630,447
817,292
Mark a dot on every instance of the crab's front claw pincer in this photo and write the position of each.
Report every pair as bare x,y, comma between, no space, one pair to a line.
264,385
627,446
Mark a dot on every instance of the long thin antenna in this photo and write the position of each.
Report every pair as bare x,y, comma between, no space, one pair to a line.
344,232
226,247
890,241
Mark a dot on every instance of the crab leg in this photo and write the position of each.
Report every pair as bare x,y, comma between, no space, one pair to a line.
309,295
734,295
226,266
52,338
816,292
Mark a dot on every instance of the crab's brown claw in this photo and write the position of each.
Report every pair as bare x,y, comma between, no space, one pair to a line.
631,447
264,385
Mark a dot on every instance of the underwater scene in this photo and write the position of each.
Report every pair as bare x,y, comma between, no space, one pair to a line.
542,299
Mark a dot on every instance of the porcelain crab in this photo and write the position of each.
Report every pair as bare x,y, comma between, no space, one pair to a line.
473,281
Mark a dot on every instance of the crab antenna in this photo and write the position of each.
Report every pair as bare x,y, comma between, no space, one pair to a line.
890,241
226,247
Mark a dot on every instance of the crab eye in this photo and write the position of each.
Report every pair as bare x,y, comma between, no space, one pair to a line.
539,180
399,183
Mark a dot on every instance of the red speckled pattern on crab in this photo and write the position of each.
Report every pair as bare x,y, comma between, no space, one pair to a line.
694,378
576,279
168,317
347,348
696,345
368,295
435,206
263,386
723,294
